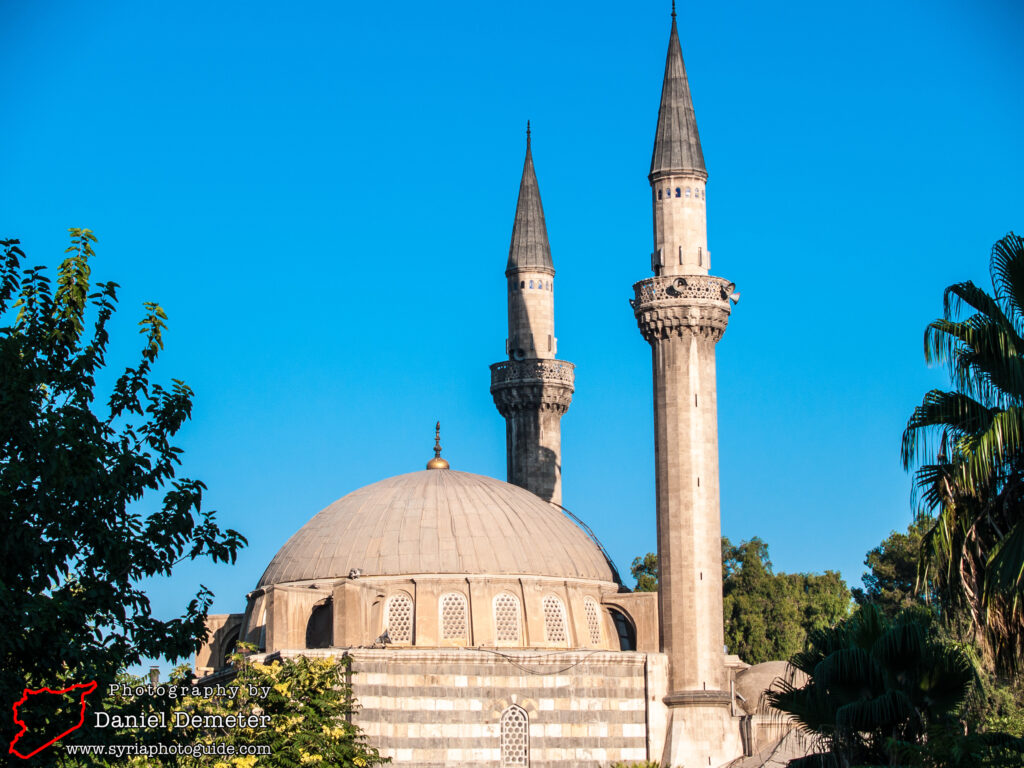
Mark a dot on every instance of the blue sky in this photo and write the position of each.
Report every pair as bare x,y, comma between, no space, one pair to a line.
321,197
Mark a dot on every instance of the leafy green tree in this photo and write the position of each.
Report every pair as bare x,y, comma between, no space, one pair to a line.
892,582
883,691
645,571
308,707
74,540
767,614
968,446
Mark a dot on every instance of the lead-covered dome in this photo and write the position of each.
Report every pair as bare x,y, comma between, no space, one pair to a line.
438,522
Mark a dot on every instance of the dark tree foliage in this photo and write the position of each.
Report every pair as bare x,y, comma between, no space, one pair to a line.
767,614
882,691
892,582
74,542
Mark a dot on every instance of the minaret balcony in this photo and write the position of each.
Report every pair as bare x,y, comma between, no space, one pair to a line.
673,305
674,287
532,385
530,371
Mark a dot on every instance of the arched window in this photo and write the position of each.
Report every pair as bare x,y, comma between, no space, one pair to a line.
531,283
454,614
659,194
320,627
554,620
506,618
398,615
687,191
515,738
625,630
679,192
228,646
593,620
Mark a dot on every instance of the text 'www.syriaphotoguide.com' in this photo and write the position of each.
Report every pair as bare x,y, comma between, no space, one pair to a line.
157,750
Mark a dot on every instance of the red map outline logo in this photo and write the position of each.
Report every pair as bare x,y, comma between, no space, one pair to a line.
88,688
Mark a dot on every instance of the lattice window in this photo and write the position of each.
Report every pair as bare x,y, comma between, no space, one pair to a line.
398,616
554,620
515,738
453,616
506,618
593,620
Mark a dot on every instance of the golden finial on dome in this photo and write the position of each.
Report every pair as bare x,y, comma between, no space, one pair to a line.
437,462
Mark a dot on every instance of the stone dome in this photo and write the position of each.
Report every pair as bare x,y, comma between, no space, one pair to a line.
438,522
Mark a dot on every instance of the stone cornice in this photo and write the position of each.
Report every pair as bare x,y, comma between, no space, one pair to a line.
698,699
677,173
531,270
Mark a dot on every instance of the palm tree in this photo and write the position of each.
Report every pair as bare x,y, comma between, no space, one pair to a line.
970,446
875,687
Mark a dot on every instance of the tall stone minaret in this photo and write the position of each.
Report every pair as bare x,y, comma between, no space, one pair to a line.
682,312
531,389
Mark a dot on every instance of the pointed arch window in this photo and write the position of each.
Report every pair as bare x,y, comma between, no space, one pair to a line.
515,738
507,623
593,620
398,618
554,620
454,616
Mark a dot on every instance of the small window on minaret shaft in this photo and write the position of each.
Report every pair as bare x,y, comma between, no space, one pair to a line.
679,192
659,194
522,283
531,283
687,191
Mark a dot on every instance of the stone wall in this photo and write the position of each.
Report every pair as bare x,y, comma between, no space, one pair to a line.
584,709
222,632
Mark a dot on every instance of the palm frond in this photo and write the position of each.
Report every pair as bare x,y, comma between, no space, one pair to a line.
953,414
987,447
1006,563
982,354
1006,267
881,712
956,296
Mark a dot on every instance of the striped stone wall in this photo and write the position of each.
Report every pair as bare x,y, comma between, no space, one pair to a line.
439,708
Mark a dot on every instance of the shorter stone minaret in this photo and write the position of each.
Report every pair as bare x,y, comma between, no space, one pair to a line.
531,389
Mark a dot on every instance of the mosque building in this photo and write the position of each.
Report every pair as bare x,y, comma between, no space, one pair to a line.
487,626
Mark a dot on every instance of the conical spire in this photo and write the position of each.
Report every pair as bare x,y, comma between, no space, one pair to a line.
676,143
529,248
